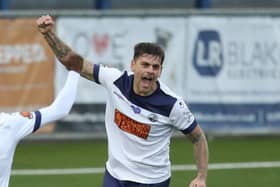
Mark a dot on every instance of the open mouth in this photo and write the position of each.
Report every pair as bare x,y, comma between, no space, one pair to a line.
147,81
147,78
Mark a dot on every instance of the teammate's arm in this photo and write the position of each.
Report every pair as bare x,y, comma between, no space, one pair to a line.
200,149
63,102
69,58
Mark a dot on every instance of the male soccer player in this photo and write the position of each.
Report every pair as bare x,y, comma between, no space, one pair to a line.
15,126
141,114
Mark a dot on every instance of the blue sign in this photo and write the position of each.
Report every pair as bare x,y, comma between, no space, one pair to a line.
208,54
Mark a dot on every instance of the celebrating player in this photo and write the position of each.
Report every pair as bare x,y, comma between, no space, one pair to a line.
15,126
141,114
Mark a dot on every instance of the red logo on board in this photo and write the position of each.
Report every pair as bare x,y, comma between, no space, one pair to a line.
100,43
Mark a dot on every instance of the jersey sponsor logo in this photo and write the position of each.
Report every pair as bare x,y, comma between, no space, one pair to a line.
131,126
26,115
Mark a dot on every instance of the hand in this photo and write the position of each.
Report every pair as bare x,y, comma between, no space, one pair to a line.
45,24
198,182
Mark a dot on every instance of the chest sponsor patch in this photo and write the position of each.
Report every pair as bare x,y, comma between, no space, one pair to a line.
26,115
131,126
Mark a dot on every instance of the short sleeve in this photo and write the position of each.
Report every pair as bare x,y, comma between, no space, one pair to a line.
105,75
25,123
182,118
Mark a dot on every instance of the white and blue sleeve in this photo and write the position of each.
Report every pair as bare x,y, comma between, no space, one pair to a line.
105,75
182,117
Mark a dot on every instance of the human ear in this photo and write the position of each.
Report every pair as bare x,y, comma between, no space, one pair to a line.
132,64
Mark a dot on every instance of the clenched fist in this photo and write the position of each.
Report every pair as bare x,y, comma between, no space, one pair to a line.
45,24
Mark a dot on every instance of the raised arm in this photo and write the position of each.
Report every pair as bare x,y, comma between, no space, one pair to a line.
69,58
200,150
64,100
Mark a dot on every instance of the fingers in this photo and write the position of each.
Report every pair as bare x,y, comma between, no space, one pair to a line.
45,24
44,21
197,183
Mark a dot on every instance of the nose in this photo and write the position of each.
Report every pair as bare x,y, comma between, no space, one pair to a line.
151,69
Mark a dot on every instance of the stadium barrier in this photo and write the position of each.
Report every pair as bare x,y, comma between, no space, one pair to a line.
227,64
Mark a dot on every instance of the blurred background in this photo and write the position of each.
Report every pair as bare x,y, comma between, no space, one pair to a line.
222,57
136,4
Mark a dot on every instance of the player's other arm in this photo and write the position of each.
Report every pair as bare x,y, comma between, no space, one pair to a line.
200,149
69,58
63,102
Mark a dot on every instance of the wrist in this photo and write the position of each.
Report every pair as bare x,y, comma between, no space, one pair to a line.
45,33
202,176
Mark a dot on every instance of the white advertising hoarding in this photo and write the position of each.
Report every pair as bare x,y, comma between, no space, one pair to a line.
110,41
233,60
226,67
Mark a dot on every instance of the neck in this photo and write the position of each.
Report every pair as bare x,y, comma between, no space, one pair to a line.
143,93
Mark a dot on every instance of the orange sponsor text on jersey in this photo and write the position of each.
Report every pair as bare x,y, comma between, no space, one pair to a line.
131,126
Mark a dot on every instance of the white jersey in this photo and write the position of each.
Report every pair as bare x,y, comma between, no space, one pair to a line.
13,127
139,128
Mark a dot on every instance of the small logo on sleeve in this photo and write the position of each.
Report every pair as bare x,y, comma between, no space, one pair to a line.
185,111
26,115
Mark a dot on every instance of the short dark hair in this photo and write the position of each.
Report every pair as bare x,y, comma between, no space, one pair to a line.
148,48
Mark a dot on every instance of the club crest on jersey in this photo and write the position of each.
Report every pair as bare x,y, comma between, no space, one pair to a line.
153,117
26,115
135,109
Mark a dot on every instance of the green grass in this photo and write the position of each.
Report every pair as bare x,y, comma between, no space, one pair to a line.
232,178
61,155
57,181
93,154
230,150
